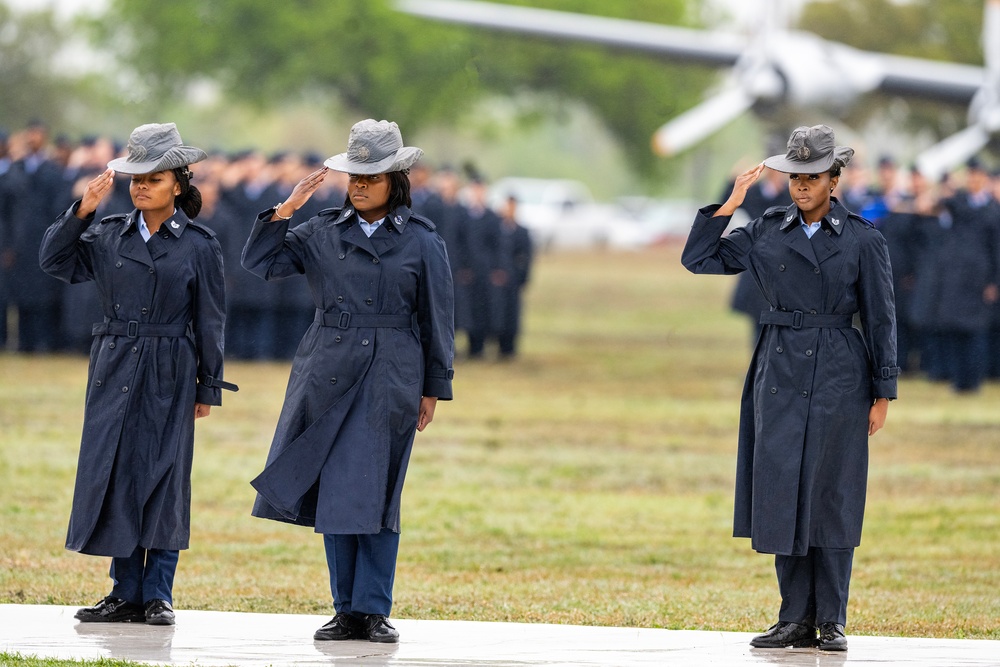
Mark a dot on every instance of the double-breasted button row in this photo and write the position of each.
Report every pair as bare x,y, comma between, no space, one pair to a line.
340,299
333,380
364,342
337,338
369,301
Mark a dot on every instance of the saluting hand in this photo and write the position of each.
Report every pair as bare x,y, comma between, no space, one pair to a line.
303,190
96,190
743,183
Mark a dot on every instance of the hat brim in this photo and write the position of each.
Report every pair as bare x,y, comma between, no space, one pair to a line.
821,165
783,164
178,156
402,159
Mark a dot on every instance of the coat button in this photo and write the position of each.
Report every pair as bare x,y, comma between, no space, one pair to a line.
118,265
809,353
134,350
341,256
98,383
774,390
364,342
152,270
340,299
781,267
145,311
779,349
111,346
805,394
124,390
812,312
337,339
816,270
333,380
374,260
118,306
369,301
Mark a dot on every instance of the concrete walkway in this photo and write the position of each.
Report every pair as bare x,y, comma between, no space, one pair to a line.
208,638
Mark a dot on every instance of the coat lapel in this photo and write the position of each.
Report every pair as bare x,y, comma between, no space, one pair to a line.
132,245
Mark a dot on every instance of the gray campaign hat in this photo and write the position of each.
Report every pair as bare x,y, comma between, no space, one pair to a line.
374,147
810,150
156,147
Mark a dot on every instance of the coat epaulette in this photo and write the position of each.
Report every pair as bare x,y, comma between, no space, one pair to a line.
334,211
117,217
206,231
864,221
773,211
423,221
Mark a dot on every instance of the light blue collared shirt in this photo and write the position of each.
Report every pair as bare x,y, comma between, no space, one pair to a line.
809,228
369,227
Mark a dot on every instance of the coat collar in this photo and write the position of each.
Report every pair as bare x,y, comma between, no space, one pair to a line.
398,218
175,224
834,220
134,247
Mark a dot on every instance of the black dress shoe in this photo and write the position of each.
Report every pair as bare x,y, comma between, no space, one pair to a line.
379,629
159,612
342,626
786,635
111,610
831,637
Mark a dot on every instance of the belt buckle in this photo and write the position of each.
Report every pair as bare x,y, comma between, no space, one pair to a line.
797,319
345,320
133,329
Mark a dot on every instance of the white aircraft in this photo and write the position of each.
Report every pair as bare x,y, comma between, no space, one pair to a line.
766,69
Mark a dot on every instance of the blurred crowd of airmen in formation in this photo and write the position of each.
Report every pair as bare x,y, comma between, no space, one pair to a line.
943,238
489,251
944,245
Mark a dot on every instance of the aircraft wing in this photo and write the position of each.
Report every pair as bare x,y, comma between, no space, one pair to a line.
931,79
689,45
895,75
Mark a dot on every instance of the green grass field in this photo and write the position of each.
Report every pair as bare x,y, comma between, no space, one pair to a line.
588,482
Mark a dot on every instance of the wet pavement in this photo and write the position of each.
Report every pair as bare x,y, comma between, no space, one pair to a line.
208,638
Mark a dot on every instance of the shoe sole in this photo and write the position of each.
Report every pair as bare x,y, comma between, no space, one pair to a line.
160,621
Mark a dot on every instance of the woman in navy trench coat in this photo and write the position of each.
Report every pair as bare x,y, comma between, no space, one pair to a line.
155,366
367,373
817,387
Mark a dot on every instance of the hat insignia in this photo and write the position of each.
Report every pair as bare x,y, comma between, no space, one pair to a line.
136,152
364,153
802,152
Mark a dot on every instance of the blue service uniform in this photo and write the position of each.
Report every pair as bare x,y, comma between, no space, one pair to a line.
382,337
158,351
802,464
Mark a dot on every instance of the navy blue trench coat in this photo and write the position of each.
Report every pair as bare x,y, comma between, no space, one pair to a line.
157,353
383,337
802,465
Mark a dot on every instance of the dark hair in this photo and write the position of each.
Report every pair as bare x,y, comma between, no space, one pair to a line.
399,190
189,200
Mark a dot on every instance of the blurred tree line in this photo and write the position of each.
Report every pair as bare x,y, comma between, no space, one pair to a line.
377,62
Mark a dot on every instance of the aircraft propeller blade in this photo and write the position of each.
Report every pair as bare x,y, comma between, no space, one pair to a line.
956,149
699,122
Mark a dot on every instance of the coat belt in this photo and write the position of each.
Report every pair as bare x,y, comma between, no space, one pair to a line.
135,329
345,320
796,319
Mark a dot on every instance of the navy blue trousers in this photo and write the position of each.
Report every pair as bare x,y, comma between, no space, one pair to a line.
362,571
145,575
814,588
